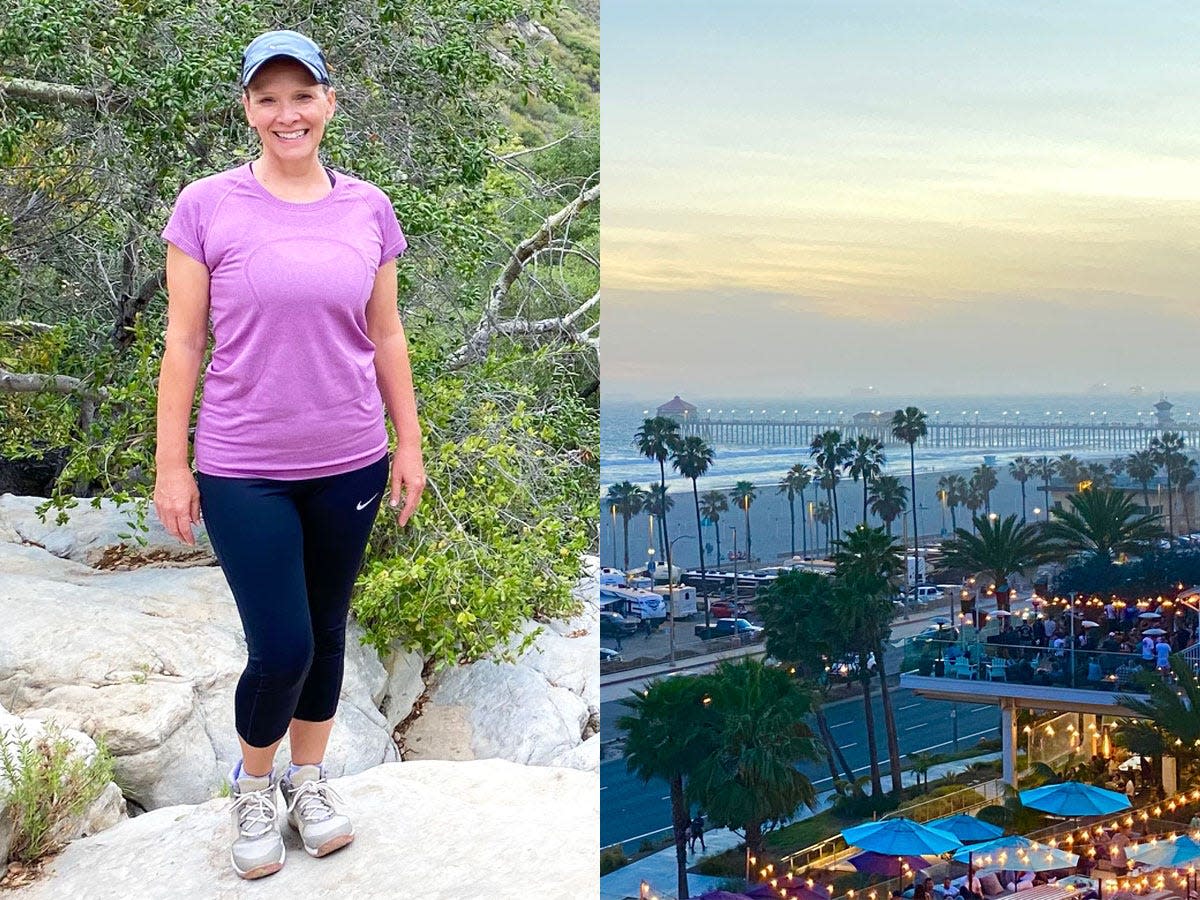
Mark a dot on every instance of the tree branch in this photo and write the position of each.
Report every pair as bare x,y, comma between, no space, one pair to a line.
35,383
488,327
49,93
23,328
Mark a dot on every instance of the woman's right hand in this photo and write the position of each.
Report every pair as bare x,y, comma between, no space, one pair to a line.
177,502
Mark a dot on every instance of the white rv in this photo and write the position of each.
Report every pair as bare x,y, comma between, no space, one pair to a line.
683,600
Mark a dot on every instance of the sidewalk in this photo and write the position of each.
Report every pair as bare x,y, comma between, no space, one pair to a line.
658,869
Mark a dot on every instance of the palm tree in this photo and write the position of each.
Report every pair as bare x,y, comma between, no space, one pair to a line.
796,481
908,425
866,461
1102,523
1166,450
954,490
1020,471
999,549
628,499
823,515
973,501
871,563
757,737
830,454
1168,715
712,504
656,439
800,631
1185,475
983,479
743,495
1142,468
1070,469
667,735
1100,476
1044,468
889,499
828,483
658,504
691,459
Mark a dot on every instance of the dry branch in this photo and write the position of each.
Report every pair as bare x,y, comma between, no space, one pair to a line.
489,326
49,93
35,383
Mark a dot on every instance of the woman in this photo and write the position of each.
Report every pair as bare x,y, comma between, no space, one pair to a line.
294,265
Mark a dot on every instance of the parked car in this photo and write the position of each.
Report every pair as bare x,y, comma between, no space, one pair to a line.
616,625
924,593
609,655
728,627
726,609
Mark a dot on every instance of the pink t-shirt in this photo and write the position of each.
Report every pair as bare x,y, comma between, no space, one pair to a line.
290,392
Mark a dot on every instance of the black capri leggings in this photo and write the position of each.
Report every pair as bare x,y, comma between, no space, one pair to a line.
290,551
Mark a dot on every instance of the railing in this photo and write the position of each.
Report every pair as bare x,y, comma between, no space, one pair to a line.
968,800
992,660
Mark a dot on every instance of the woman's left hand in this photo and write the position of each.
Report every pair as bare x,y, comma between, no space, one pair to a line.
408,481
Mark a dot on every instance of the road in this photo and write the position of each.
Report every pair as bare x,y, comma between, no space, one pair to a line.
631,810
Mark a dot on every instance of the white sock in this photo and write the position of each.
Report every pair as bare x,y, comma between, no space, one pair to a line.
293,769
239,771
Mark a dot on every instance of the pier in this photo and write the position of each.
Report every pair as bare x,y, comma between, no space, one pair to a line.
1043,437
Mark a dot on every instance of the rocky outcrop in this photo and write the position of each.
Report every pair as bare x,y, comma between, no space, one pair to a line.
101,538
141,644
149,660
543,709
429,829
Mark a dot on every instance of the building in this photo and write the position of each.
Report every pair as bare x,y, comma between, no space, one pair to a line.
677,409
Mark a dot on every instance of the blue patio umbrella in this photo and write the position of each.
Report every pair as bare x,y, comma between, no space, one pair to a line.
1166,853
1073,798
967,828
900,837
885,864
1016,852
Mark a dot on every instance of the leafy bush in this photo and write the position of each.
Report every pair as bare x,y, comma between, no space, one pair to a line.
612,858
509,509
46,783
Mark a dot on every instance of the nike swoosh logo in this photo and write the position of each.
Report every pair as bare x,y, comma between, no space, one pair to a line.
366,503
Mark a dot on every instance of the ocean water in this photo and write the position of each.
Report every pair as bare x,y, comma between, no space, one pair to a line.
770,516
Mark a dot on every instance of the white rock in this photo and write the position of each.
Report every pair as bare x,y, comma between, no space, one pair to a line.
93,536
149,660
404,685
481,829
512,712
585,756
535,711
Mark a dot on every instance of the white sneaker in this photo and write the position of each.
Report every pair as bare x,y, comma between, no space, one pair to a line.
258,848
311,812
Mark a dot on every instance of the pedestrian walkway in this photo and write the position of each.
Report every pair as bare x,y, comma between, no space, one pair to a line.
659,872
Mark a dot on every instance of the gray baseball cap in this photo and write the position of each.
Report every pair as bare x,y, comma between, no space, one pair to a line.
289,44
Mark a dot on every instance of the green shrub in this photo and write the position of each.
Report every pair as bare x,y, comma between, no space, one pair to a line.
46,783
612,858
510,507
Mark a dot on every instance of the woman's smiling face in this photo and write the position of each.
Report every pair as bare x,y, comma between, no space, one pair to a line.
288,109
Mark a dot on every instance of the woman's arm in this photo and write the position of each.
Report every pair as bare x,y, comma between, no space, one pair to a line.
394,375
176,499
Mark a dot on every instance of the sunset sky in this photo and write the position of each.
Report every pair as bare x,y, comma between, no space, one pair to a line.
811,197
